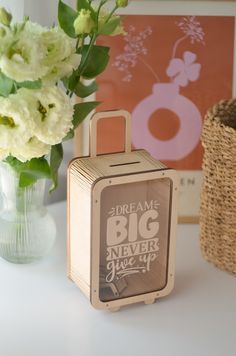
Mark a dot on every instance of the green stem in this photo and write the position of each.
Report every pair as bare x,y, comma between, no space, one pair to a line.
77,42
82,42
111,13
98,12
82,39
92,41
77,45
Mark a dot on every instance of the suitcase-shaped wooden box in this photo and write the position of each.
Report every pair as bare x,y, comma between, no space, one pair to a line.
121,224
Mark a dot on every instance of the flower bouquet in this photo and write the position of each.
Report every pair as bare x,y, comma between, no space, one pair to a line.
41,69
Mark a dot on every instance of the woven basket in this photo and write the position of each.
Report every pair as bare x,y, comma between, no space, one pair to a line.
218,195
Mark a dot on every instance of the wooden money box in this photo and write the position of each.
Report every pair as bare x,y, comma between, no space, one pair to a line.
121,224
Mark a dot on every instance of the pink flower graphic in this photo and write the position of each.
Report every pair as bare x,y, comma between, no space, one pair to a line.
191,27
181,71
134,50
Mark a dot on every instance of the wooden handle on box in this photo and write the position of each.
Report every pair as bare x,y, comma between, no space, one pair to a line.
109,114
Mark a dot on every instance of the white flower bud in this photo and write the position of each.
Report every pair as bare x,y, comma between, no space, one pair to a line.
83,23
2,32
5,17
121,3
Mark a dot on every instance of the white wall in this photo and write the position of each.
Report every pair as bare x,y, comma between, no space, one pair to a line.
16,7
43,11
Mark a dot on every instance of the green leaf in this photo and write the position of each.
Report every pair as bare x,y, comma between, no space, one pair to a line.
36,168
37,84
82,110
109,27
56,158
17,165
66,18
83,91
73,80
82,4
26,179
6,85
30,171
69,136
95,67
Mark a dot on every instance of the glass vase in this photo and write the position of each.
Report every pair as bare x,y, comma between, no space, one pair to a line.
27,230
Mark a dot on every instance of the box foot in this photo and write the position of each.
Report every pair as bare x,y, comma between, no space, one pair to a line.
149,301
115,309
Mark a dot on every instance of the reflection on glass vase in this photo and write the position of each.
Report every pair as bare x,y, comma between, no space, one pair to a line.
27,230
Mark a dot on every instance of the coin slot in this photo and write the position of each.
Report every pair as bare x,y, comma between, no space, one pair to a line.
123,164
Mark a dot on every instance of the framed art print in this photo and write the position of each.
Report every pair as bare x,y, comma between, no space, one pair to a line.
175,61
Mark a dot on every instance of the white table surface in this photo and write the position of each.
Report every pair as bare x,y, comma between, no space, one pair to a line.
42,313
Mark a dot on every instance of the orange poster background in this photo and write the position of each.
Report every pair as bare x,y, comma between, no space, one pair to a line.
215,81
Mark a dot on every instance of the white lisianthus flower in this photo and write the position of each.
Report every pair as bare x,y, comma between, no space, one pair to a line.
62,69
5,40
34,28
2,32
31,149
53,40
51,111
60,60
4,153
23,58
16,124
